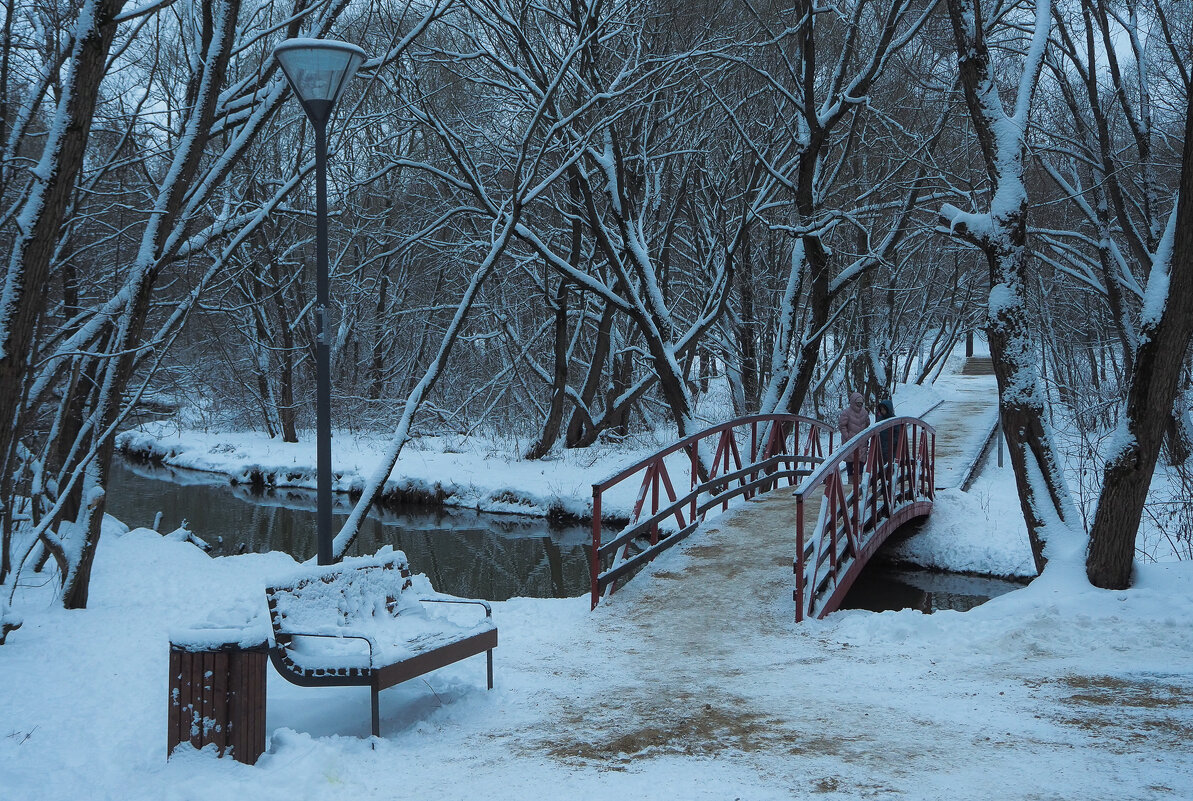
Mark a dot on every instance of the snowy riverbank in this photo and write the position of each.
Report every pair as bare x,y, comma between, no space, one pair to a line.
979,532
477,474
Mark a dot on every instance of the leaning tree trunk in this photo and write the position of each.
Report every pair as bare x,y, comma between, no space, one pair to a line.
1021,408
219,30
1001,233
818,315
580,433
1159,360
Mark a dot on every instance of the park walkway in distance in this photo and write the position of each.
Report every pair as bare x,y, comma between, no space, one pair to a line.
964,422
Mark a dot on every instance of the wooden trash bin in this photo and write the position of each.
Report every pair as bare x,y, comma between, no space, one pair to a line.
217,692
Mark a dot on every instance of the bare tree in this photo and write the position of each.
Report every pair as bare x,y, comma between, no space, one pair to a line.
214,114
1165,329
38,214
1001,233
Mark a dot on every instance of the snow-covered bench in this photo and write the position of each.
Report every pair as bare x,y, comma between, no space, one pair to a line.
360,623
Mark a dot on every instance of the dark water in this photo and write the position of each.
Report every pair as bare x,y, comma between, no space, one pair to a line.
462,552
883,586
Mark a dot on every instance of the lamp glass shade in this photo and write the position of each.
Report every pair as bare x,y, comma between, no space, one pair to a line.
318,69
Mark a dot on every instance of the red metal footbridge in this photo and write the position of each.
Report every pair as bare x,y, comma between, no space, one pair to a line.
848,497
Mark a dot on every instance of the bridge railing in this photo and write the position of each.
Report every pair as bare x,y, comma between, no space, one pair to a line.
890,474
777,447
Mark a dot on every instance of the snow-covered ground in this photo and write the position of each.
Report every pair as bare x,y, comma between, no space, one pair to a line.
978,531
1054,691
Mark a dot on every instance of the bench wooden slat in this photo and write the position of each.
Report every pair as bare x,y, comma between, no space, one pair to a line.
433,660
195,731
218,733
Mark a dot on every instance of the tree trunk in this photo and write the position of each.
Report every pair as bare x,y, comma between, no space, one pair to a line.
377,367
577,435
260,350
1001,233
45,204
550,432
818,313
747,331
618,416
1159,362
118,365
284,397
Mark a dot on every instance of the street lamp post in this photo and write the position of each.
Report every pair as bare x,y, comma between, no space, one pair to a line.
318,70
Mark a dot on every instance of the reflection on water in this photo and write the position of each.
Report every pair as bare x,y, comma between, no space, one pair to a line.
882,586
462,552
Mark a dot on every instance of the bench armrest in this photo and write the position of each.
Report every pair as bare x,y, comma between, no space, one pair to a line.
485,604
373,648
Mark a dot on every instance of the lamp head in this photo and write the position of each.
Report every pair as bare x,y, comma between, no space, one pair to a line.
318,70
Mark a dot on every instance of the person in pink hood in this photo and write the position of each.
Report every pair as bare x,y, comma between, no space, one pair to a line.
853,420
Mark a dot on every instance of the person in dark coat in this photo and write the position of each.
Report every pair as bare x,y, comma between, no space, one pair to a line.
885,410
852,421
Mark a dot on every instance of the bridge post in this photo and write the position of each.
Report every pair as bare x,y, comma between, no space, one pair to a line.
753,455
596,545
856,480
798,563
932,470
654,503
999,436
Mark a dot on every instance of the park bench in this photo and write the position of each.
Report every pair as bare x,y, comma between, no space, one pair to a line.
360,623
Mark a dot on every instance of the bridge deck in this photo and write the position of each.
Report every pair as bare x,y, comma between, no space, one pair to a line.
697,652
731,586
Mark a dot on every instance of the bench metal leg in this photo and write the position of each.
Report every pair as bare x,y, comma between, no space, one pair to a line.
376,711
489,659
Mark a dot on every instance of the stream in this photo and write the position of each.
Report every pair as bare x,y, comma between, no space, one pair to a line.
463,552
